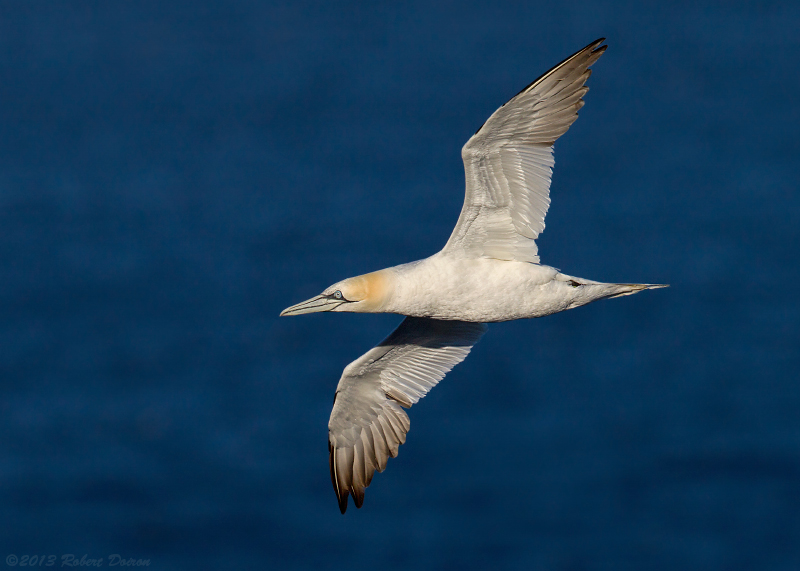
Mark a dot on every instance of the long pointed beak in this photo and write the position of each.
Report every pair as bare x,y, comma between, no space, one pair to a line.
313,305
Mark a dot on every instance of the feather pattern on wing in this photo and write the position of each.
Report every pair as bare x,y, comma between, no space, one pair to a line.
509,161
368,423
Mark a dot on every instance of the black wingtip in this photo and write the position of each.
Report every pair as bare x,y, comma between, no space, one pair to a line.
358,497
595,45
595,48
342,502
341,496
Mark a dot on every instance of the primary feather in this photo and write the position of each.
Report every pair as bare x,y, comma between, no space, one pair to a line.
488,271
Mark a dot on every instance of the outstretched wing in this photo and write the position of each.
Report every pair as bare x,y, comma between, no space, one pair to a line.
508,164
367,423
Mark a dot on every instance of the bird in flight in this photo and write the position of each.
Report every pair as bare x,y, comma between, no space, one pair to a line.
488,271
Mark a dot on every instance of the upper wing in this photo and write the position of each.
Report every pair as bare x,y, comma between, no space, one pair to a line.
508,163
367,423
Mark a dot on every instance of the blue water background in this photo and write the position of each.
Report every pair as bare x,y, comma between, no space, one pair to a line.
173,174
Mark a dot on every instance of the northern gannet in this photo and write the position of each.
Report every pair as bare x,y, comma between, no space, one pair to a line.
488,271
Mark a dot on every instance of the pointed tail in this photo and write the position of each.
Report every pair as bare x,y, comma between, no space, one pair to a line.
630,289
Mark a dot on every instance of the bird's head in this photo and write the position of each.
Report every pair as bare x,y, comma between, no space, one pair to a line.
363,294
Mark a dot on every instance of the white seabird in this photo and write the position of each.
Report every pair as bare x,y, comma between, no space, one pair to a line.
488,271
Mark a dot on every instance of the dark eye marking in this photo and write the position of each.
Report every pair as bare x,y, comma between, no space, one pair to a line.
336,295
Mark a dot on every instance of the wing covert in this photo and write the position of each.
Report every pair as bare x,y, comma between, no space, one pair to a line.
509,161
368,423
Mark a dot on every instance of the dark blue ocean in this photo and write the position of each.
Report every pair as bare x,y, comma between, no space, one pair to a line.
174,174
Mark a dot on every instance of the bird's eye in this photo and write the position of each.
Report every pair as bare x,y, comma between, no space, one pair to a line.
337,294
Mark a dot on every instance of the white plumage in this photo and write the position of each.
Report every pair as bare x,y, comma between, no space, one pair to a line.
488,271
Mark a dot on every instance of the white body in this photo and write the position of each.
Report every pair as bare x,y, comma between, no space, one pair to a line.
488,271
486,290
